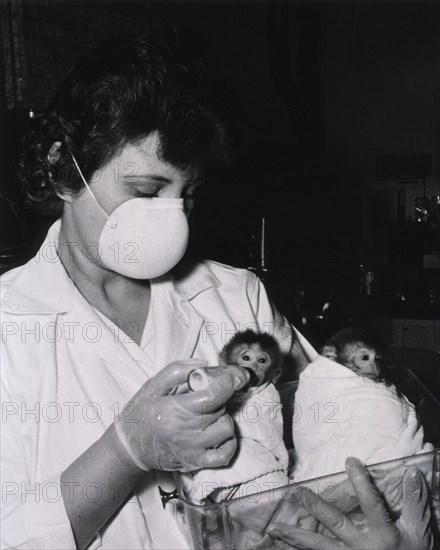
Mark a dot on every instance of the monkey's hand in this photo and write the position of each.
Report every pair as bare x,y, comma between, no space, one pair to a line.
378,532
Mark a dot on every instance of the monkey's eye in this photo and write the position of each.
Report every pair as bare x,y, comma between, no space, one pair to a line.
246,358
262,360
365,357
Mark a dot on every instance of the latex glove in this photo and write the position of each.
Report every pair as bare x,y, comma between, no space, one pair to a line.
166,428
378,532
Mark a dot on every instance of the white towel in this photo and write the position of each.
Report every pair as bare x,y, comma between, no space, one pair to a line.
261,451
340,414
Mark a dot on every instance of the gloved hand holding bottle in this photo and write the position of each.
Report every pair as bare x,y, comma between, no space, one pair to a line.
165,427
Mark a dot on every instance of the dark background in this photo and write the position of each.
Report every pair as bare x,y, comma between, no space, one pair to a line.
316,94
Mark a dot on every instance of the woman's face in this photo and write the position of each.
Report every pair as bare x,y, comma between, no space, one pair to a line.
136,172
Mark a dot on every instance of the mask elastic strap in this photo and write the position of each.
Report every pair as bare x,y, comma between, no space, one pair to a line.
88,187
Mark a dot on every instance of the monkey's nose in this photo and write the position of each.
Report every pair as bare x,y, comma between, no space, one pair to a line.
374,373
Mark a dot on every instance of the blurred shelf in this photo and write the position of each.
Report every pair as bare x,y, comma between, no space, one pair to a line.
419,334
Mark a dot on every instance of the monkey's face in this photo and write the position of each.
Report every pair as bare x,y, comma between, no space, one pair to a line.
253,357
365,361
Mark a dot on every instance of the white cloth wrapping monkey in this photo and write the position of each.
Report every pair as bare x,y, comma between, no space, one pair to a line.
261,459
339,414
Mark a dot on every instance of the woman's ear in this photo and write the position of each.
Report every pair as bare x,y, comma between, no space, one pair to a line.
52,158
66,196
54,153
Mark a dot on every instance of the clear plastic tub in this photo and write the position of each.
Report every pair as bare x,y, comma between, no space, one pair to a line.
240,524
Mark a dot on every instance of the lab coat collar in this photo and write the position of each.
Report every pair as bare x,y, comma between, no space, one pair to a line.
43,286
190,279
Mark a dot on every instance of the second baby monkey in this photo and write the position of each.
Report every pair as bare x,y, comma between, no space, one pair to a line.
356,349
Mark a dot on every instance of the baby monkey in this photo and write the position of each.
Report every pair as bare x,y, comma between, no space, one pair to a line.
357,350
259,353
261,457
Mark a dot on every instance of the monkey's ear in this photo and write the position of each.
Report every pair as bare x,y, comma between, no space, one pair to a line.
275,375
329,352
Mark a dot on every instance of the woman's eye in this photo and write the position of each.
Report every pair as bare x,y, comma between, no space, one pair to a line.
246,358
142,195
262,360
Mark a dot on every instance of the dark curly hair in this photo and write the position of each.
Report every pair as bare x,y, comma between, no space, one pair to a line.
117,94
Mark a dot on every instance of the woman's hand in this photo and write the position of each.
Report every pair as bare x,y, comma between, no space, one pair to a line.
378,532
163,428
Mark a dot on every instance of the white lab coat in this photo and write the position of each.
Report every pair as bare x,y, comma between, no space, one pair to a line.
65,375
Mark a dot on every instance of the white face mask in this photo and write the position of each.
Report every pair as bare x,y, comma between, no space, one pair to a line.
142,238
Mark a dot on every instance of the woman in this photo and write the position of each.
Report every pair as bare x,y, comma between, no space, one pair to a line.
99,319
125,128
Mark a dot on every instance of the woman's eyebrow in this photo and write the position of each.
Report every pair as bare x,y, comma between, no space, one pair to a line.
159,179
